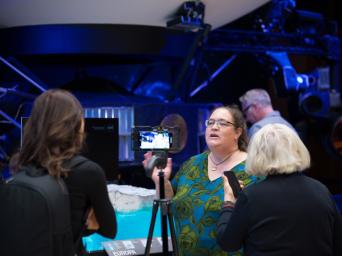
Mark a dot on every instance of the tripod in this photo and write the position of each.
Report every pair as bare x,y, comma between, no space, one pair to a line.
165,205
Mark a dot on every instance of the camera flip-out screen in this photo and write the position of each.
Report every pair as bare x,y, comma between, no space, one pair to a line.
148,138
155,139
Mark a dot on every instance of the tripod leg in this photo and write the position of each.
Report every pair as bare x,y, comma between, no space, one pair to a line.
150,231
163,208
164,229
172,230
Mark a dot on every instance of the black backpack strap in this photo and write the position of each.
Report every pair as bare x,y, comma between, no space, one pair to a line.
75,161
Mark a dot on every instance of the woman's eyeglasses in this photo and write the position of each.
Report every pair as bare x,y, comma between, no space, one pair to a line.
219,122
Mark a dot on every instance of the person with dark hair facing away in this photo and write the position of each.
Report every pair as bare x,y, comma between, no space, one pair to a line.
53,138
286,214
197,188
257,106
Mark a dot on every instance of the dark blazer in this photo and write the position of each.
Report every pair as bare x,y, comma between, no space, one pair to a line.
284,215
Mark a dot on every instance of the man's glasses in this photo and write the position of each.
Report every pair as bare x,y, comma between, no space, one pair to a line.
247,108
219,122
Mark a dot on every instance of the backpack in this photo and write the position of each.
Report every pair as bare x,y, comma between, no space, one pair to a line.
35,214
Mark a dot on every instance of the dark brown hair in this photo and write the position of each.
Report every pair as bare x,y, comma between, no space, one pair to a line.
52,133
239,122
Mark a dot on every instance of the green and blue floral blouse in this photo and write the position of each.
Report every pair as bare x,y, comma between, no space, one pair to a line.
196,206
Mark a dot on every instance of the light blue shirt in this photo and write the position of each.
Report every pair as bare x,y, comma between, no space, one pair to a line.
270,118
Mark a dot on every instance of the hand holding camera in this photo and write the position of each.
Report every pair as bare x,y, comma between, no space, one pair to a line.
150,164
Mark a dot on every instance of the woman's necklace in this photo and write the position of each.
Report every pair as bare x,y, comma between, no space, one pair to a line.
220,162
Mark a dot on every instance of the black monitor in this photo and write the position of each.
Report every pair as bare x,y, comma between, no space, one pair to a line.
102,143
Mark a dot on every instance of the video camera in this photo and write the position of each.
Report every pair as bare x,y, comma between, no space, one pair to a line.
145,138
159,140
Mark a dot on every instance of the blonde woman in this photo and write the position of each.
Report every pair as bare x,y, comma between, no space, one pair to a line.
286,214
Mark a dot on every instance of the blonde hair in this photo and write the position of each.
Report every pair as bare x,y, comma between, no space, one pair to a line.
276,149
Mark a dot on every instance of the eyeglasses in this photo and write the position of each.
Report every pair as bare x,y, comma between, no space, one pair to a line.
247,108
219,122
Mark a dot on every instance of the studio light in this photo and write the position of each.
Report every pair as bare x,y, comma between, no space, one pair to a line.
292,81
314,103
313,87
190,16
303,81
315,96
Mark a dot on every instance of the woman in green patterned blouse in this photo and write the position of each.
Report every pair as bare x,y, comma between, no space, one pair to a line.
197,189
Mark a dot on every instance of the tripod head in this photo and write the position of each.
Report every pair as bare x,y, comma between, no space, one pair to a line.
158,159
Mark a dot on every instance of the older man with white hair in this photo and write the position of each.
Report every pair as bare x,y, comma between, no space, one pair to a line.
257,107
